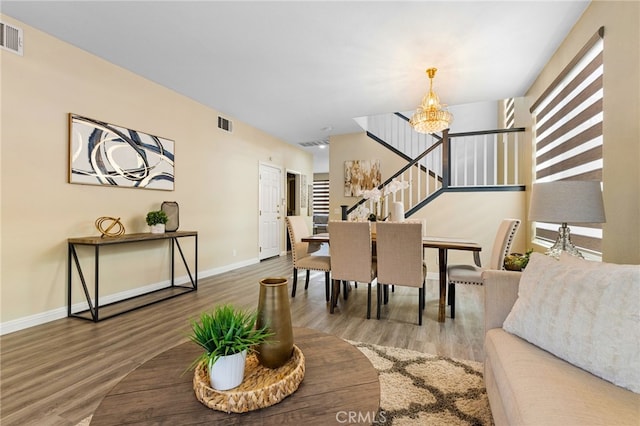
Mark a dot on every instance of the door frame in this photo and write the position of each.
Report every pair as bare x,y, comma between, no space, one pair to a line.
297,208
282,204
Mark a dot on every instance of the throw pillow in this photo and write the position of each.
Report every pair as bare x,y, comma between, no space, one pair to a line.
587,313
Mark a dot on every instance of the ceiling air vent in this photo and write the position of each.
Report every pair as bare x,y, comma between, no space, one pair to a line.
320,143
224,124
11,38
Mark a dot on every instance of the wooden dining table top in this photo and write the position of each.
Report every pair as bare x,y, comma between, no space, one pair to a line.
427,242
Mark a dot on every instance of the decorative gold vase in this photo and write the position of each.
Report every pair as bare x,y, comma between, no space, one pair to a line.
274,312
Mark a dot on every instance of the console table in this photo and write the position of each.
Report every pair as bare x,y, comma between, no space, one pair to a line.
148,298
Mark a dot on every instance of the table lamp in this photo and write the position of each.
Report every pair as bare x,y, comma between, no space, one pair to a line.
566,202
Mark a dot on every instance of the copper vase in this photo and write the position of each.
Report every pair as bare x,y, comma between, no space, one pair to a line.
274,312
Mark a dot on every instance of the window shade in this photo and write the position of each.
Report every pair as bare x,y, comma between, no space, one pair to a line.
509,113
321,197
568,133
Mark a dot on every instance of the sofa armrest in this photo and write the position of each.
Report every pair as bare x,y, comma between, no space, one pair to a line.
500,293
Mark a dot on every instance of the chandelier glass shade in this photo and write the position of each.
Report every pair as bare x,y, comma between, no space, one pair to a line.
430,117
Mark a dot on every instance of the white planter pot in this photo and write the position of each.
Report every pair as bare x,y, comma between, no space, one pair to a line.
228,371
157,229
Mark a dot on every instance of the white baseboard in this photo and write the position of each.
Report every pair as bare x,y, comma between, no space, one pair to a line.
32,320
227,268
58,313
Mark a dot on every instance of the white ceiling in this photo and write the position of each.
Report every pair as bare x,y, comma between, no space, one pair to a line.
297,68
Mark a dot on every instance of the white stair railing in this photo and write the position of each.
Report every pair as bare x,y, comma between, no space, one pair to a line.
456,161
486,158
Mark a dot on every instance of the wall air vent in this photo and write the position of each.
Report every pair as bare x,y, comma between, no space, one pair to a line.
224,124
11,38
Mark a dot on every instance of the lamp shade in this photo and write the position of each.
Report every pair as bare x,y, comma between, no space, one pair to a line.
567,202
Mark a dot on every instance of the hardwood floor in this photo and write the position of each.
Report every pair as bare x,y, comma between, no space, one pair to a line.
57,373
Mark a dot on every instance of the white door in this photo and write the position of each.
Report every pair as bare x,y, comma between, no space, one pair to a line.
270,210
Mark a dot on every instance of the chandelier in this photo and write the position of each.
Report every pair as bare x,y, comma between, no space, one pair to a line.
430,117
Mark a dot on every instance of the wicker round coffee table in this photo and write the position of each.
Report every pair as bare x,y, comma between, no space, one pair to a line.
338,380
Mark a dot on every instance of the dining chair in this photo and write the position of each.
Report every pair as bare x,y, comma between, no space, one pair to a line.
351,257
423,223
400,259
471,274
297,228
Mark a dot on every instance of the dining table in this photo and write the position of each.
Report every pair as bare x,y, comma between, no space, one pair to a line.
443,244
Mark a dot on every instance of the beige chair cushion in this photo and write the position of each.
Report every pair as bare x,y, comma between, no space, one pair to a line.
315,263
465,274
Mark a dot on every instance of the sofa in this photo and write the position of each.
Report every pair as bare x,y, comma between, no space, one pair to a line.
562,343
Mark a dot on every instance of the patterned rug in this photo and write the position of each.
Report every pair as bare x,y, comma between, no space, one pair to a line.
418,389
423,389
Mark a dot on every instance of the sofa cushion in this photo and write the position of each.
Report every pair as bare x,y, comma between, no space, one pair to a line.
530,386
587,313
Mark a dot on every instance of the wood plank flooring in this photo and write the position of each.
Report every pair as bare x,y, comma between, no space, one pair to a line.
57,373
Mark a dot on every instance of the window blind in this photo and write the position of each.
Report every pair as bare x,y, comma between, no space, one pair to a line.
509,113
568,133
321,197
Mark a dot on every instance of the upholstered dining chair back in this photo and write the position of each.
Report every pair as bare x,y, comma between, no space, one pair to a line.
351,253
422,222
502,244
400,254
297,227
472,274
302,259
351,257
400,259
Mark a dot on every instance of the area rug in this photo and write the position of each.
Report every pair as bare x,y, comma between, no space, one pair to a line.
418,389
422,389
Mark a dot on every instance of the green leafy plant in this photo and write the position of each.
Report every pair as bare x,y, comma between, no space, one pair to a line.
526,258
517,261
156,217
226,331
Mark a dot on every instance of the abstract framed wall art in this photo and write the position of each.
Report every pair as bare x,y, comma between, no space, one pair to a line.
106,154
361,175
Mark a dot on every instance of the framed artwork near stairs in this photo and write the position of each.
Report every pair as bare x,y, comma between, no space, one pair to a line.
361,175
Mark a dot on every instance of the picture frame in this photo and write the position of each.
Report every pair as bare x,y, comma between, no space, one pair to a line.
361,175
102,153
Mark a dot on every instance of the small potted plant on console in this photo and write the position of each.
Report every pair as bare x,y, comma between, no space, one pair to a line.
156,221
227,334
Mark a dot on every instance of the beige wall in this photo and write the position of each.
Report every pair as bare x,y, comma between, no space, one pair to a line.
216,176
621,126
356,146
320,176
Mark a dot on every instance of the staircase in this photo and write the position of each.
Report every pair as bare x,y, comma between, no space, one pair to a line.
487,160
